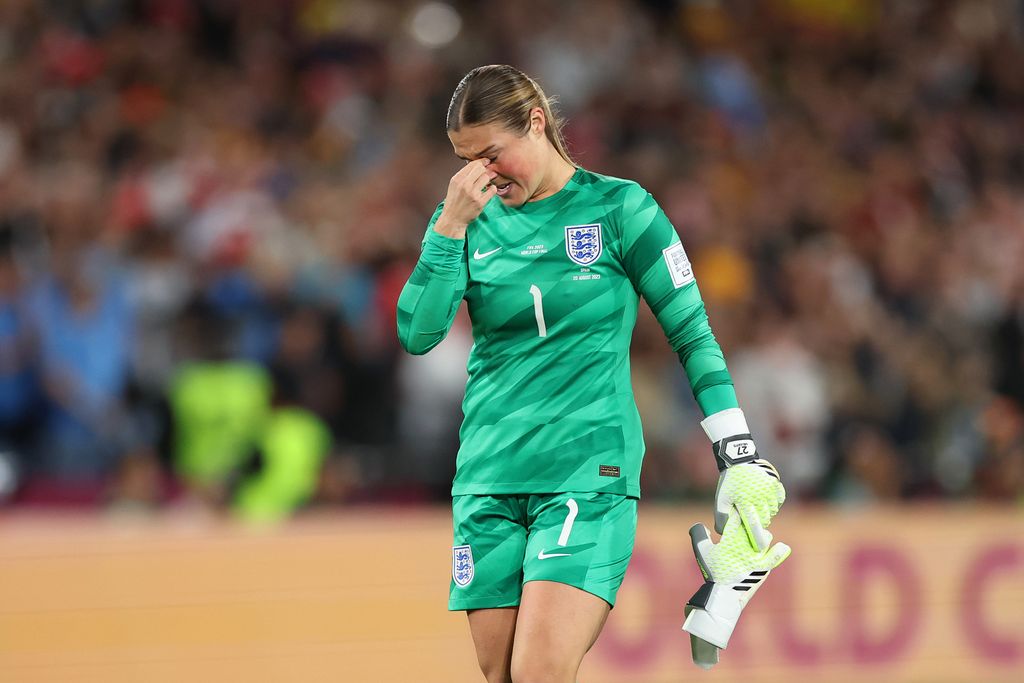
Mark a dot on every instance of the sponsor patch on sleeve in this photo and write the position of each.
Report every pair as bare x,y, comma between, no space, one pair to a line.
678,265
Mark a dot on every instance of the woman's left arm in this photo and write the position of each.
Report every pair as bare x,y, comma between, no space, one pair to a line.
657,265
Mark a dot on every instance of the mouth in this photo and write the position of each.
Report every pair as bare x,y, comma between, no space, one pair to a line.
503,188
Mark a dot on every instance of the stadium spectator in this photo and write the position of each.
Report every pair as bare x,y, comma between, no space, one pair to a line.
19,381
84,326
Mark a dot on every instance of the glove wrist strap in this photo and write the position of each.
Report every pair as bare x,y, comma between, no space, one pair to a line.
734,450
730,438
715,620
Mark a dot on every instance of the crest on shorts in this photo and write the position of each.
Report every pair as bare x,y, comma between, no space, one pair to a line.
583,243
463,569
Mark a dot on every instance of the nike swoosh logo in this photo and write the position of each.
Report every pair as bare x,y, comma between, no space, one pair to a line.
543,555
477,255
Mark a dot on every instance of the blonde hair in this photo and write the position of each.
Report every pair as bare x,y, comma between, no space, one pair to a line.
503,94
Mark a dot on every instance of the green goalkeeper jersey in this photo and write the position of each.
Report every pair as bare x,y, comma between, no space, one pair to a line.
552,288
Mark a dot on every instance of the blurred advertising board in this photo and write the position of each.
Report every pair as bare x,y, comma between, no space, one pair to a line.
902,594
933,594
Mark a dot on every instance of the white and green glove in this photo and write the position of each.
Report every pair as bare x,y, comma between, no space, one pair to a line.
733,571
747,484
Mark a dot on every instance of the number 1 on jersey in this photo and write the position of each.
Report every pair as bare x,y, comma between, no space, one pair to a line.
538,310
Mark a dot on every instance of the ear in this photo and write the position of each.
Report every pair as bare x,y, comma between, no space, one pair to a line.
538,122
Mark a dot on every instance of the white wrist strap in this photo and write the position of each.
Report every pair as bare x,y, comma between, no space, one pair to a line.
725,423
716,621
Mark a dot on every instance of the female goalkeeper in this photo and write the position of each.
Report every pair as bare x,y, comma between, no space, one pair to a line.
551,260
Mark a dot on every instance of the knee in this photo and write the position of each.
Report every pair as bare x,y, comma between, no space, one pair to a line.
541,670
497,677
496,671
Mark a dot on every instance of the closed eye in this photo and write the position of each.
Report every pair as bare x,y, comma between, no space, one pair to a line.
490,154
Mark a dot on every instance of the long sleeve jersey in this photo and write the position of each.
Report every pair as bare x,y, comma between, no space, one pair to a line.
552,288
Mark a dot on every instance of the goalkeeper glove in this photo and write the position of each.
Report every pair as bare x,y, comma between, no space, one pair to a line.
748,484
733,571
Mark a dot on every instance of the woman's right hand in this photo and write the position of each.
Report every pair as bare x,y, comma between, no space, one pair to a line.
469,190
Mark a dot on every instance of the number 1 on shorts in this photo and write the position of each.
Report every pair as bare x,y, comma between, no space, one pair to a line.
569,519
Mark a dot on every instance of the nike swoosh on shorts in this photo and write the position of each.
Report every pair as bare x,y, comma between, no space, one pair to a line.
543,556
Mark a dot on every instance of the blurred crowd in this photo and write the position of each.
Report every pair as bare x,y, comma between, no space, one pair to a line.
208,209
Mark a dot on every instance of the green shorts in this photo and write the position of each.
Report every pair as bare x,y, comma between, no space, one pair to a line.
501,542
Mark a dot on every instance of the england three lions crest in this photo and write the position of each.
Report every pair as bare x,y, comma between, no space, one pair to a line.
463,569
583,243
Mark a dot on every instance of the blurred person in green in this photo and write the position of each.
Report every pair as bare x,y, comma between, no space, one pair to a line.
232,446
285,470
219,404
